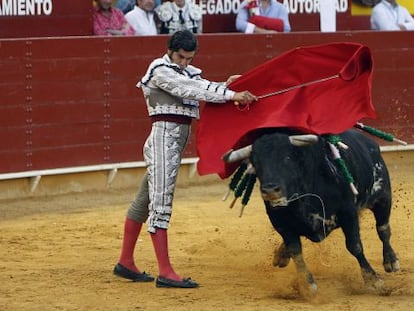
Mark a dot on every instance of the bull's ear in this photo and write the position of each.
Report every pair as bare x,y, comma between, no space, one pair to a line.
303,140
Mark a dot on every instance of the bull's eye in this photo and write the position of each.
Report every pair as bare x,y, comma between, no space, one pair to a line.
286,159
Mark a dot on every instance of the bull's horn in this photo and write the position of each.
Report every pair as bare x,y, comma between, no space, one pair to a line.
303,140
237,155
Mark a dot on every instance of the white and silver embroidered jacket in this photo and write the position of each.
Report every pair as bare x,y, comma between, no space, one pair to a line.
169,90
169,14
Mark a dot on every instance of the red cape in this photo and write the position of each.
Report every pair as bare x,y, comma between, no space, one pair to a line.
326,107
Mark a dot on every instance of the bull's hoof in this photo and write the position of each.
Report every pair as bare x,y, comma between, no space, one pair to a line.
313,289
280,262
280,257
307,290
392,266
378,287
375,285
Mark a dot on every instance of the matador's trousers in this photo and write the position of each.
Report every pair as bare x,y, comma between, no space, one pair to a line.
162,154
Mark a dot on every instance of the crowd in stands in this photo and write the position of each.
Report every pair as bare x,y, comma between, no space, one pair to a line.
146,17
151,17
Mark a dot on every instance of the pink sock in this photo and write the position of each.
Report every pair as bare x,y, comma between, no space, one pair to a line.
131,233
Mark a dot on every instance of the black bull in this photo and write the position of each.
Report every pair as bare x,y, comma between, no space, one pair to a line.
306,194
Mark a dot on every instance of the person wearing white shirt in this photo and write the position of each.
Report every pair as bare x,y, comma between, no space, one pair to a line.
388,15
179,15
141,18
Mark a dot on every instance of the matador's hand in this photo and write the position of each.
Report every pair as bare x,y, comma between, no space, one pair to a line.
243,98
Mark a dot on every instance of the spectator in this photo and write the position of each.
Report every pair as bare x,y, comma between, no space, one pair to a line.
141,18
172,88
275,17
179,15
109,21
127,5
388,15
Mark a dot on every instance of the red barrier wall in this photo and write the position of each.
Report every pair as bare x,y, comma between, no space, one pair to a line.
73,101
45,18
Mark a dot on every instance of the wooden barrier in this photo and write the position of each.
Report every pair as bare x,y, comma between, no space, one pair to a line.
71,102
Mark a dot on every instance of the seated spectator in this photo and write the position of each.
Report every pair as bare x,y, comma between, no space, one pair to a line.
388,15
127,5
109,21
179,15
141,18
262,16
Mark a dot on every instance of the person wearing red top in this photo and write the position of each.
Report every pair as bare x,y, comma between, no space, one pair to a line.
109,21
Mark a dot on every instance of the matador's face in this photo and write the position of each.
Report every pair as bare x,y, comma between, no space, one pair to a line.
181,57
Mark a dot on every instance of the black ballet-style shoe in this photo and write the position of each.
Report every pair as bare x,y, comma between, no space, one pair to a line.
184,283
125,273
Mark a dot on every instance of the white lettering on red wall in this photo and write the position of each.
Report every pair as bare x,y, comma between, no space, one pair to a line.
25,7
215,7
311,6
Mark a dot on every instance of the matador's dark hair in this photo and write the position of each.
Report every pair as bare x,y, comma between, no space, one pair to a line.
183,39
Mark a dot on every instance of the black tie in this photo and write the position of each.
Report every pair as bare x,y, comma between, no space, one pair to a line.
180,12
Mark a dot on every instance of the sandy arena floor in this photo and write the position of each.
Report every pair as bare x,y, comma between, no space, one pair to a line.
58,252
